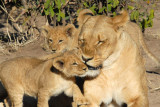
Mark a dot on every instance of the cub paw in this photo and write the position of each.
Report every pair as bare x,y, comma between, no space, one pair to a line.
81,101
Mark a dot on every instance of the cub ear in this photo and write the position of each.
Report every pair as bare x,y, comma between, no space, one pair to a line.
45,29
84,15
58,63
70,29
120,20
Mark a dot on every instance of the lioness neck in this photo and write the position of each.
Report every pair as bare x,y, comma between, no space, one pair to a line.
127,51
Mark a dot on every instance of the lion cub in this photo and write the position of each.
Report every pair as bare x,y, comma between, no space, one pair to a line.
42,78
59,39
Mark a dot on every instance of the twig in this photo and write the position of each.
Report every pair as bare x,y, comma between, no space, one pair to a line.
8,31
14,20
7,13
65,4
155,89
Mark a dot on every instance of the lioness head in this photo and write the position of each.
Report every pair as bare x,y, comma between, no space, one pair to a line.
70,64
98,38
59,37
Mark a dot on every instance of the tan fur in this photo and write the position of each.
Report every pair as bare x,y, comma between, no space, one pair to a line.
136,33
131,28
69,35
84,14
59,39
42,79
108,50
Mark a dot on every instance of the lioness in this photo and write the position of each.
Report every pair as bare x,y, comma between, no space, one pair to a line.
131,28
108,50
42,79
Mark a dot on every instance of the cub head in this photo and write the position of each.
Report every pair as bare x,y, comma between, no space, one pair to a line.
70,64
98,38
58,38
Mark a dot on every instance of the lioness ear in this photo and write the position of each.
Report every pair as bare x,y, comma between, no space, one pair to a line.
84,15
120,20
69,30
59,64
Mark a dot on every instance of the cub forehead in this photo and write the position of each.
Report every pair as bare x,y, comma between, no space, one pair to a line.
57,32
71,55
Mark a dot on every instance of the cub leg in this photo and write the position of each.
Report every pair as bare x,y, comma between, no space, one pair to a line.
43,97
49,56
16,98
90,105
78,97
93,101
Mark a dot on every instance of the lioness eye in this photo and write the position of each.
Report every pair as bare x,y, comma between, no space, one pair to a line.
74,63
60,41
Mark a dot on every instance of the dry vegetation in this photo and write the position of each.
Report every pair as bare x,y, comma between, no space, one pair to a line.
21,27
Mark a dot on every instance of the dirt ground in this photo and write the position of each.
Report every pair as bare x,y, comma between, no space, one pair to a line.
152,39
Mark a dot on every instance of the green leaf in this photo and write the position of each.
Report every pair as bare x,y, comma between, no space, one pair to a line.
115,3
145,23
85,4
46,12
63,1
151,16
68,17
136,15
51,11
62,14
151,23
130,7
46,4
102,9
109,7
78,11
132,15
93,8
109,1
59,17
140,24
53,4
58,3
114,14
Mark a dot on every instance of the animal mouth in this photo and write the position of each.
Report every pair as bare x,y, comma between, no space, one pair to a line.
93,68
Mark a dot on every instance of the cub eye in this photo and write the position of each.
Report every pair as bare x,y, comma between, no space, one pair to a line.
50,40
60,41
81,41
100,42
74,63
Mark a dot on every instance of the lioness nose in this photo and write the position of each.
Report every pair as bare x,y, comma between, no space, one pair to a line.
86,59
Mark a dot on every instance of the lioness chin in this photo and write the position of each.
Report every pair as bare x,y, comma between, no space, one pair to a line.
42,79
105,46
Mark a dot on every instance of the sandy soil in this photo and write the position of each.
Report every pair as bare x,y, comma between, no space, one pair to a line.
152,38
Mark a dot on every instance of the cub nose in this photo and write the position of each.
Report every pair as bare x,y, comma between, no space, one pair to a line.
86,59
53,50
84,69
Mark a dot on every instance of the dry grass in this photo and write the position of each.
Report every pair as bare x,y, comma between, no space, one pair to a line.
22,36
